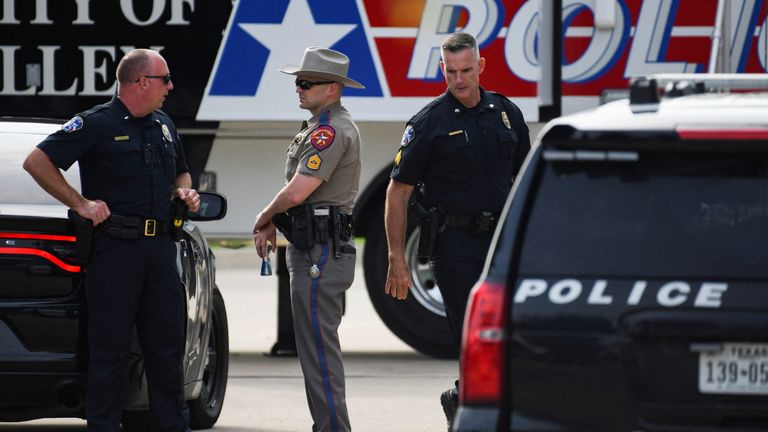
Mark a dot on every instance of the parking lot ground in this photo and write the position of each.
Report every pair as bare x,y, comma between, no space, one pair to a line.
390,387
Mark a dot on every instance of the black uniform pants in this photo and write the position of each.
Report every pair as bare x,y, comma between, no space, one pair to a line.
135,282
457,262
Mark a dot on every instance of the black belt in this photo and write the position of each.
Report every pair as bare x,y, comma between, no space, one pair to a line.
482,222
128,227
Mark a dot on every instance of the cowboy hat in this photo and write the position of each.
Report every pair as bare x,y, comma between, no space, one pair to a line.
323,63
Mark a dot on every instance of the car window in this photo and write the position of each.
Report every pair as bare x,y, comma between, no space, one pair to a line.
660,216
18,186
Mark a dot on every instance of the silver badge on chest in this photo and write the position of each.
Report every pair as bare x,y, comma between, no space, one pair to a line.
167,133
505,119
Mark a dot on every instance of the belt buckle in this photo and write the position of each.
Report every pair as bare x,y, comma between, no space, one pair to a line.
150,227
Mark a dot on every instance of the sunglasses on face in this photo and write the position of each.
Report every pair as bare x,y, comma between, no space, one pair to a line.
166,78
306,85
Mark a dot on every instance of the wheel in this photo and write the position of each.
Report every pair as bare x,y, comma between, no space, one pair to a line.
419,320
205,410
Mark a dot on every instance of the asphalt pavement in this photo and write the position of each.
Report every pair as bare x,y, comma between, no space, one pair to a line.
390,387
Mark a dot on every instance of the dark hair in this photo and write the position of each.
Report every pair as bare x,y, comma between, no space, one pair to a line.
459,41
133,65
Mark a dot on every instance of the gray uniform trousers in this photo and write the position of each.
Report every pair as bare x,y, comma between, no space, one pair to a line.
317,310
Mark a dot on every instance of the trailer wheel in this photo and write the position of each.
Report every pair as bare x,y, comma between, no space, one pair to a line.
419,320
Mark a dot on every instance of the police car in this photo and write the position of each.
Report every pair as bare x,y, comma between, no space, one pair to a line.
43,345
627,288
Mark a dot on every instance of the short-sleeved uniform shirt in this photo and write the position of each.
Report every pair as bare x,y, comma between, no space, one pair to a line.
466,158
328,147
129,163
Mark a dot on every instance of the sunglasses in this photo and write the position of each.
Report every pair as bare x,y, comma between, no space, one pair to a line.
166,78
306,85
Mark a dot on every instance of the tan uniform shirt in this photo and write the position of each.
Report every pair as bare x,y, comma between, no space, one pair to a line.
328,148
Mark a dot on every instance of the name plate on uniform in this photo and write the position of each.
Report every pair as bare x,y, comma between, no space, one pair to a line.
739,368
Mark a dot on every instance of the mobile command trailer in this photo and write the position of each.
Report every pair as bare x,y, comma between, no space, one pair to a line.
236,112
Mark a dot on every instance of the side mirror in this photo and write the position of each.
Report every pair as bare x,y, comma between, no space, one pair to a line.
213,206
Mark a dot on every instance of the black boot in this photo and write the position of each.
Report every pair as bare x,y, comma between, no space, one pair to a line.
449,399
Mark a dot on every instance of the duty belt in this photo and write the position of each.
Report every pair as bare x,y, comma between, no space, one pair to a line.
127,227
482,222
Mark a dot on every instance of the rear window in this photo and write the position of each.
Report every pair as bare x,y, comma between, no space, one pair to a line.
18,186
661,216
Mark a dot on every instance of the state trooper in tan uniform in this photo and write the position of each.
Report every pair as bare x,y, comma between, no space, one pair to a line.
313,211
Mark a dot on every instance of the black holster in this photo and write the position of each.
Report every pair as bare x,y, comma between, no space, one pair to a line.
302,227
429,224
83,236
282,222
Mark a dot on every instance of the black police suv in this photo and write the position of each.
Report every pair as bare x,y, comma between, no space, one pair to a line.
627,287
43,346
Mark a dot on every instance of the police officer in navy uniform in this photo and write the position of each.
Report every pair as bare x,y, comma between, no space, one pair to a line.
462,151
131,166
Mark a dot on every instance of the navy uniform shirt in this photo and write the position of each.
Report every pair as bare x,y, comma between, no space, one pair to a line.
467,158
129,163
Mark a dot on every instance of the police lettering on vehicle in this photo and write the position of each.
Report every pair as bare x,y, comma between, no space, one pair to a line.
601,293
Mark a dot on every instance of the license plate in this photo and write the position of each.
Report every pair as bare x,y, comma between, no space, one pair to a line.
739,368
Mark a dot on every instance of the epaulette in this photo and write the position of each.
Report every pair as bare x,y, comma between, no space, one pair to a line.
93,110
498,95
424,111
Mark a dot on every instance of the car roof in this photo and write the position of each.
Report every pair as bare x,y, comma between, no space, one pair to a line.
32,126
730,110
21,196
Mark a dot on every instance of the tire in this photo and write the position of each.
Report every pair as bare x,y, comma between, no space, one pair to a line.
419,320
205,410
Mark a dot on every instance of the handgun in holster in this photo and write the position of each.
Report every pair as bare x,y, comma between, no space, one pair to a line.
283,223
84,234
429,222
179,215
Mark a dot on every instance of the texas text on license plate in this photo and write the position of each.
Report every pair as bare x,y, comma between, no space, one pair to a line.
739,368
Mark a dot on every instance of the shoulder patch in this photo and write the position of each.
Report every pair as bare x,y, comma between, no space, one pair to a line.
408,136
314,162
73,124
322,137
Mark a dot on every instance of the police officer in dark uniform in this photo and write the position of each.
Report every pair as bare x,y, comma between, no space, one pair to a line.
460,154
131,166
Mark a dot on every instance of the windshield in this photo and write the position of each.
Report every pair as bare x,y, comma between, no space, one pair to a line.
18,186
659,216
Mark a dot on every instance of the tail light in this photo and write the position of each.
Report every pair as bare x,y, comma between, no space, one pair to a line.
482,347
56,249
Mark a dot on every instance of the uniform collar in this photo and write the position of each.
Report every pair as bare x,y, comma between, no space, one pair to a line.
486,103
324,117
125,115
